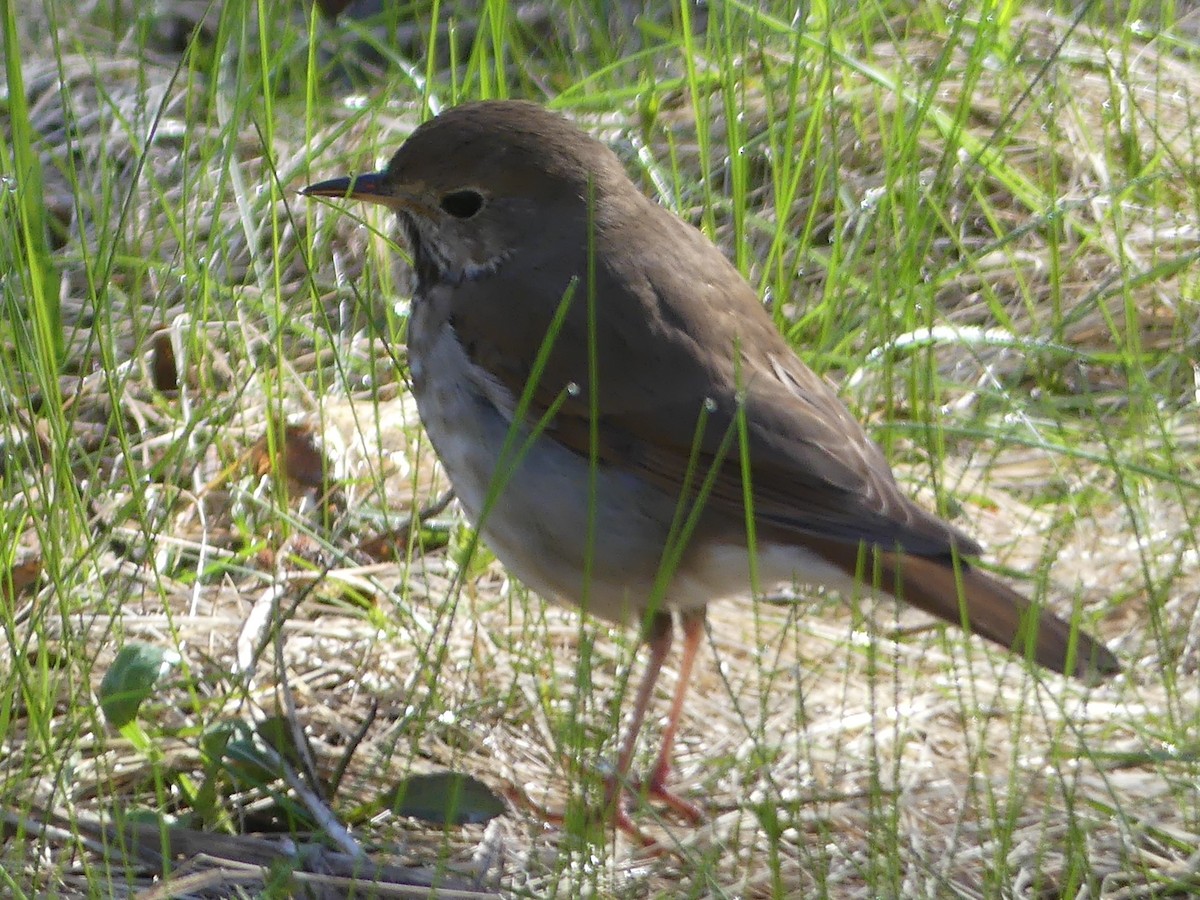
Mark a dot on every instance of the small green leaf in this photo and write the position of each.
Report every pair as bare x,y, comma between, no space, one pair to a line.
444,798
130,680
277,733
248,765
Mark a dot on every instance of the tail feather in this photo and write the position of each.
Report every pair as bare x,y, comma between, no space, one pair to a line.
966,596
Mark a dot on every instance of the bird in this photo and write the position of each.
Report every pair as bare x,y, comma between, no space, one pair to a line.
624,424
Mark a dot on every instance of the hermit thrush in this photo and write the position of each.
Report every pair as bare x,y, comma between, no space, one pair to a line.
622,421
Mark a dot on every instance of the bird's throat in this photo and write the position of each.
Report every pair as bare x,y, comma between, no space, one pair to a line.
430,265
435,262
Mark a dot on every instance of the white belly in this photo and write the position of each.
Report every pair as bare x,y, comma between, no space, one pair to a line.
540,515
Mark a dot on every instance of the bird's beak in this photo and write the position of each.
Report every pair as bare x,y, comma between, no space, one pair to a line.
370,188
373,187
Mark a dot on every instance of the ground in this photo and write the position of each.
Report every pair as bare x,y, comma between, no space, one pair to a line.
981,222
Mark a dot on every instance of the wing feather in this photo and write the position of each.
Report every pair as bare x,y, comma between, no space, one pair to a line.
673,377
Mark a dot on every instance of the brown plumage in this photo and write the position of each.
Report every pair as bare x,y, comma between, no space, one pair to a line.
548,288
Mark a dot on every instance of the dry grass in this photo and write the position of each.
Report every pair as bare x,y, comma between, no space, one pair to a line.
810,725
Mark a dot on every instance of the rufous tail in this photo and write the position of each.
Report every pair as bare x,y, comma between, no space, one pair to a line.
967,596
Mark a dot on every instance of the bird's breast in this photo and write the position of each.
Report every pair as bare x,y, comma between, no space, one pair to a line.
538,506
530,497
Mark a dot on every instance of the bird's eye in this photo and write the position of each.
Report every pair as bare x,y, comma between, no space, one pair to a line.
462,204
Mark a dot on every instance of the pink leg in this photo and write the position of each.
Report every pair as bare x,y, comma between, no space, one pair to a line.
693,633
659,639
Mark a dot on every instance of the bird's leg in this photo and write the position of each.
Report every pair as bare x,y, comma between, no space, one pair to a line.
658,637
693,632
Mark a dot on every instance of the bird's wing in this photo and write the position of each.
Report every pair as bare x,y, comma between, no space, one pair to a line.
689,386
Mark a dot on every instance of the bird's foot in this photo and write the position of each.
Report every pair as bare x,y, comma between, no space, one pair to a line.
620,820
657,789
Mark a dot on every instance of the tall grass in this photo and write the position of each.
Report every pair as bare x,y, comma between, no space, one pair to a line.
980,220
